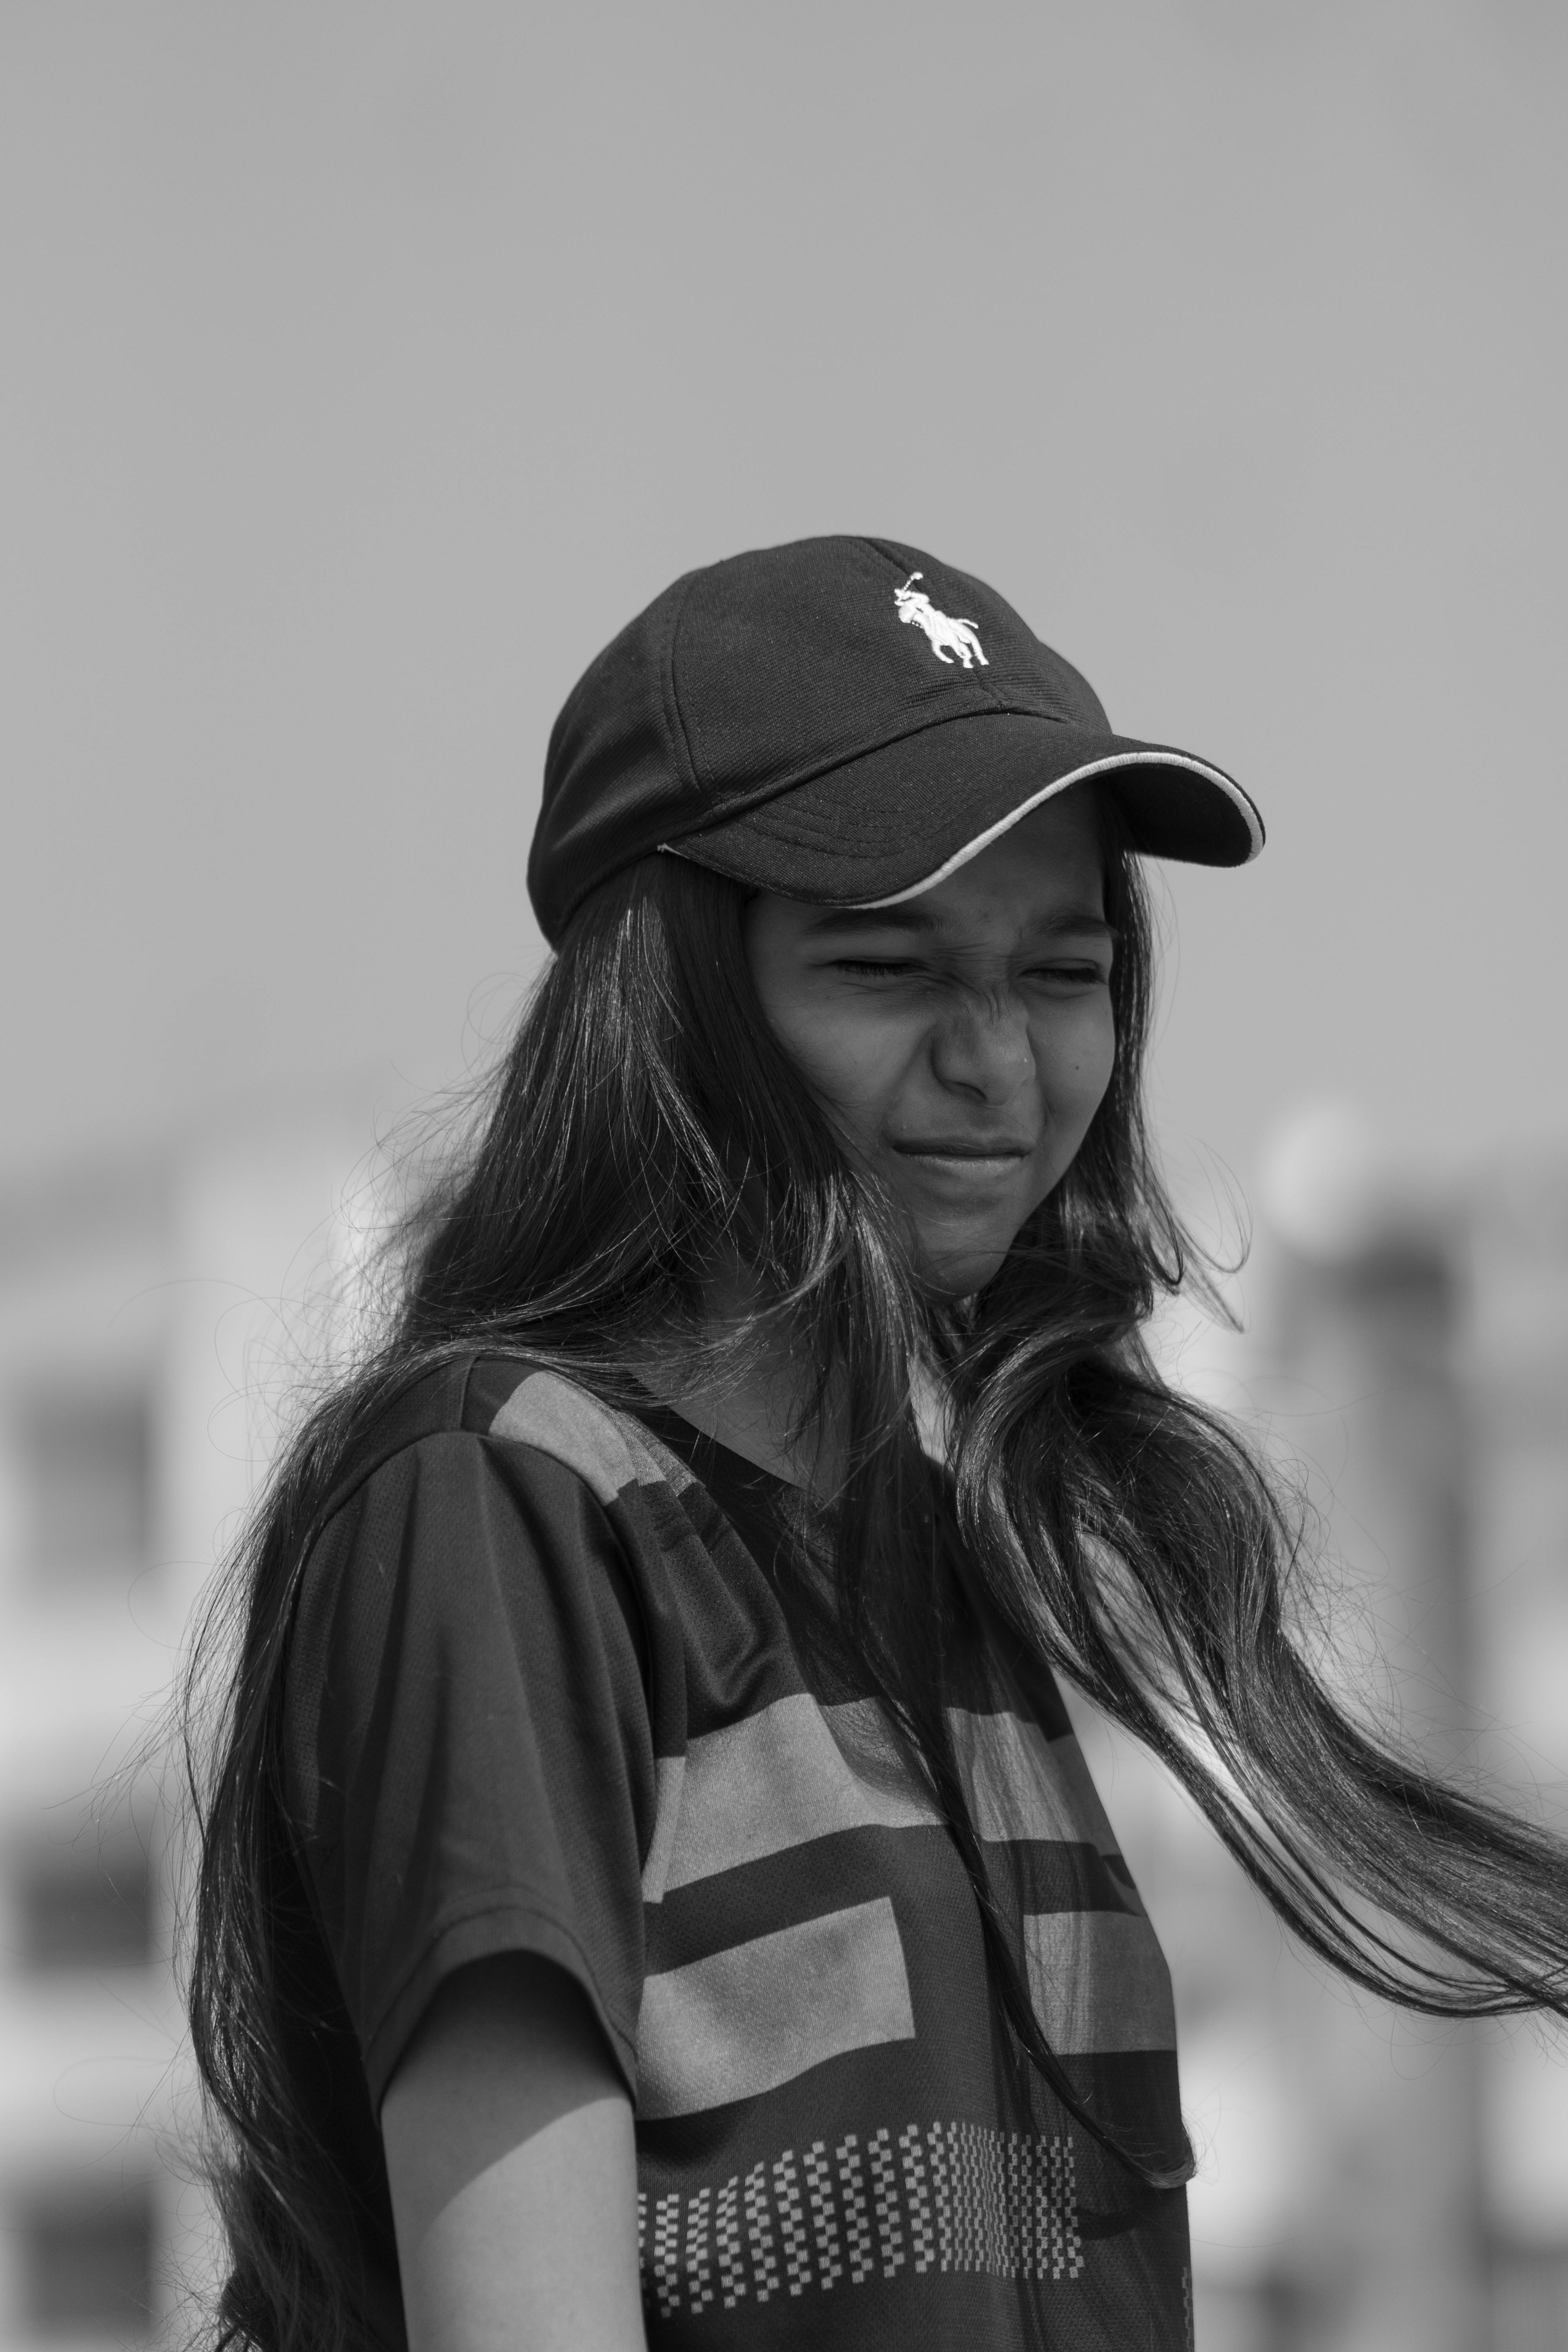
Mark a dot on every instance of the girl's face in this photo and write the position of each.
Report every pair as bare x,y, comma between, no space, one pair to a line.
960,1041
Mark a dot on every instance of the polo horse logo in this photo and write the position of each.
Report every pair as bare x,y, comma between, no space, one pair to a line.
947,636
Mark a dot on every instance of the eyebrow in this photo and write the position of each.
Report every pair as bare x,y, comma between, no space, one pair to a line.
912,916
875,918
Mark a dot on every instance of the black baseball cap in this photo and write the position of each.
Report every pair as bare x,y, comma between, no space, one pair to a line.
844,721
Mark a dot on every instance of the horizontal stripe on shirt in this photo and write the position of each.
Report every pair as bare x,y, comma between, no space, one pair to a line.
923,1864
762,2012
795,1772
792,1772
1097,1982
1023,1786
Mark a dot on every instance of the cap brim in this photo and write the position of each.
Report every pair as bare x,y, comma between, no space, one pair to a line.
901,819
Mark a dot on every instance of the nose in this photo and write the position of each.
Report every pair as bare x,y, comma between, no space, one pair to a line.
981,1046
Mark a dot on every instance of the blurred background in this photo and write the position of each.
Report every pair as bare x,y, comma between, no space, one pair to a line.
364,368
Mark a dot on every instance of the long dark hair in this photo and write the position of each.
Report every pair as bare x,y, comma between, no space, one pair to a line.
1111,1527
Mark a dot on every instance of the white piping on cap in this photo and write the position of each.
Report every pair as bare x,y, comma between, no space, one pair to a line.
1233,792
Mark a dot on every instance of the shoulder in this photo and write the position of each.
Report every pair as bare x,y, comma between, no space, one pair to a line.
501,1493
535,1417
526,1405
488,1508
490,1480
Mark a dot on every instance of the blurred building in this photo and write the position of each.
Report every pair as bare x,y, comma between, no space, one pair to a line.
87,2018
1513,1373
1370,2179
143,1327
1369,2182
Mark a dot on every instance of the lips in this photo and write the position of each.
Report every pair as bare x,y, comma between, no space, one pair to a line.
959,1166
942,1146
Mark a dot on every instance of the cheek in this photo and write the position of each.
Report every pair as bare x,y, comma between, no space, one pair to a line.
845,1058
1076,1061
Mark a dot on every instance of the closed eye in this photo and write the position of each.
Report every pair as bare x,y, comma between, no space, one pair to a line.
1078,975
865,970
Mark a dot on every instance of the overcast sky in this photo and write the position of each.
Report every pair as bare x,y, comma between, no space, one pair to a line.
366,367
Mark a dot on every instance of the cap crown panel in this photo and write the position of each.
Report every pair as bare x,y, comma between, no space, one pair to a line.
787,663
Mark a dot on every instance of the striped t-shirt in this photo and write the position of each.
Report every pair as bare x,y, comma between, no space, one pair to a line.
544,1694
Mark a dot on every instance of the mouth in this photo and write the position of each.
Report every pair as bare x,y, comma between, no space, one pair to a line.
968,1158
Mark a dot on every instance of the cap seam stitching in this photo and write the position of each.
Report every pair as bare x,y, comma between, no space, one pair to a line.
1146,755
676,727
881,743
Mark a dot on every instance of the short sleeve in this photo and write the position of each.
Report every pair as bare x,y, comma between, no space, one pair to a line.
469,1760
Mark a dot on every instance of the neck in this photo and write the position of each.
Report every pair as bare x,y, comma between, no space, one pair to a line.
744,1384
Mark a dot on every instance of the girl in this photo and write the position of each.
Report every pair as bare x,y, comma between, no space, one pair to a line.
650,1892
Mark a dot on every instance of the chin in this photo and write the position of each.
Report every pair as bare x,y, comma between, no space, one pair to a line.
960,1270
